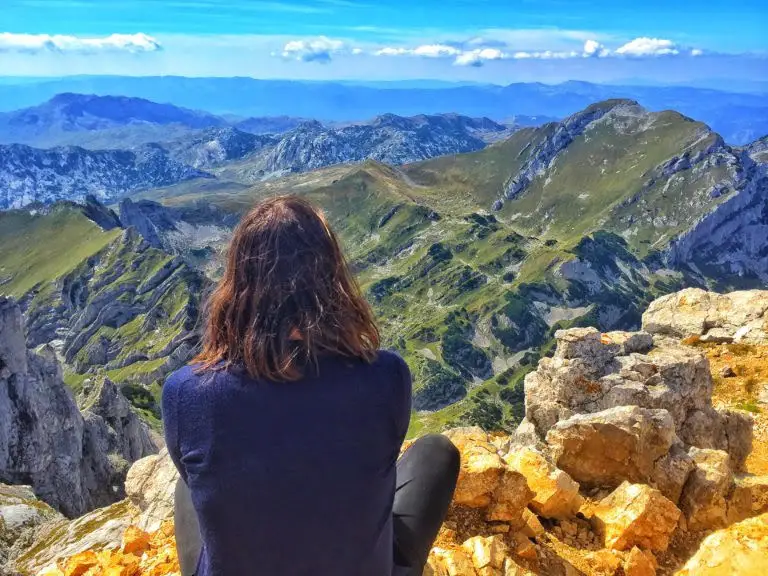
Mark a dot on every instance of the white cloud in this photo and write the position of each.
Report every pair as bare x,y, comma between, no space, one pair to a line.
593,49
389,51
697,52
436,51
640,47
479,56
33,43
319,49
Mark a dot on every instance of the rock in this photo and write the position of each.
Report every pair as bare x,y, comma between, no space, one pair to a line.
481,467
510,499
727,372
739,550
639,563
635,515
748,498
606,448
488,552
97,530
671,472
135,541
733,317
457,562
591,372
532,527
555,494
150,486
703,500
727,430
20,513
72,460
524,548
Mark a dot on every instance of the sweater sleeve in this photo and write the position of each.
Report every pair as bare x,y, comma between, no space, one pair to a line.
403,400
170,411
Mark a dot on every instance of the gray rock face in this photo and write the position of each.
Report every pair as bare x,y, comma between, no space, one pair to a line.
71,460
70,173
390,139
740,316
20,513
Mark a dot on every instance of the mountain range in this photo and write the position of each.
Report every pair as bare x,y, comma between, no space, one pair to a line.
111,157
739,118
472,261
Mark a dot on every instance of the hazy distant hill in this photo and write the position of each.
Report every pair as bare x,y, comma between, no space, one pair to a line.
732,115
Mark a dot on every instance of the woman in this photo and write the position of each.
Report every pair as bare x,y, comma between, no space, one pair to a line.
288,425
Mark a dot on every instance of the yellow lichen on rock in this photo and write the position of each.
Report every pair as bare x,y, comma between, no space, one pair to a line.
140,554
739,550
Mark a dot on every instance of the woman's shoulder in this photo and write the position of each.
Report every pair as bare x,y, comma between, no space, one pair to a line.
391,360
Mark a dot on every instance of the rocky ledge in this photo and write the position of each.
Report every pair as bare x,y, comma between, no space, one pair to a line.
623,466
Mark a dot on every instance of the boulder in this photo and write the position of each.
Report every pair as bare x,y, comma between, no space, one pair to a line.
639,563
748,498
150,486
481,467
727,430
555,494
671,472
606,448
454,562
487,553
635,515
704,497
97,530
739,550
20,513
734,317
591,372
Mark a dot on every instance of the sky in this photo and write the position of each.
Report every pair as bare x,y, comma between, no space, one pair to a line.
494,41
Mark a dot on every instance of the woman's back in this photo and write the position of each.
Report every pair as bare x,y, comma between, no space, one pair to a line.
292,477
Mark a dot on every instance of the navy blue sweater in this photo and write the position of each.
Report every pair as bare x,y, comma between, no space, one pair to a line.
292,478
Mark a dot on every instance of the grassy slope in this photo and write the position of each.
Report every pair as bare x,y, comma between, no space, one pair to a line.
37,249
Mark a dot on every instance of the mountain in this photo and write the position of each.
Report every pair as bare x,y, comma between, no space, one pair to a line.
389,138
215,146
473,261
636,457
32,175
732,115
60,119
103,122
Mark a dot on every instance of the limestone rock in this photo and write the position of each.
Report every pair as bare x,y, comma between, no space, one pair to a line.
727,430
488,552
510,499
671,472
734,317
739,550
481,467
555,494
20,513
748,498
704,496
456,562
591,372
639,563
150,486
606,448
635,515
97,530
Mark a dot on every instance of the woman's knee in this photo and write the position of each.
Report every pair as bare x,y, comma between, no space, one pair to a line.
441,450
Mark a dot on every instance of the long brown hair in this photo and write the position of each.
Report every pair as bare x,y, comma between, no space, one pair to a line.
286,296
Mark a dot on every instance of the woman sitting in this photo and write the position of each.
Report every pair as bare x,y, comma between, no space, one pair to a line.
287,428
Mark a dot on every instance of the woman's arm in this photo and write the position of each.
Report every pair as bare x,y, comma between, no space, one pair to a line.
170,411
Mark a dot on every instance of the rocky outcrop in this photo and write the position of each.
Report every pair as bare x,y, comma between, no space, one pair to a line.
20,513
741,549
740,316
150,487
74,461
593,372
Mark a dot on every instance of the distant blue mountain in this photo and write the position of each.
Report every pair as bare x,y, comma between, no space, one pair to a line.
739,118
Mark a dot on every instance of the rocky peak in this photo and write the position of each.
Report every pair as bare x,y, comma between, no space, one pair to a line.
543,154
74,461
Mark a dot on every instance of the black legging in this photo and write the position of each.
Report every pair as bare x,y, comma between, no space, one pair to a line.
426,478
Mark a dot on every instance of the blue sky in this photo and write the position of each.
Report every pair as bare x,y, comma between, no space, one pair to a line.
480,40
